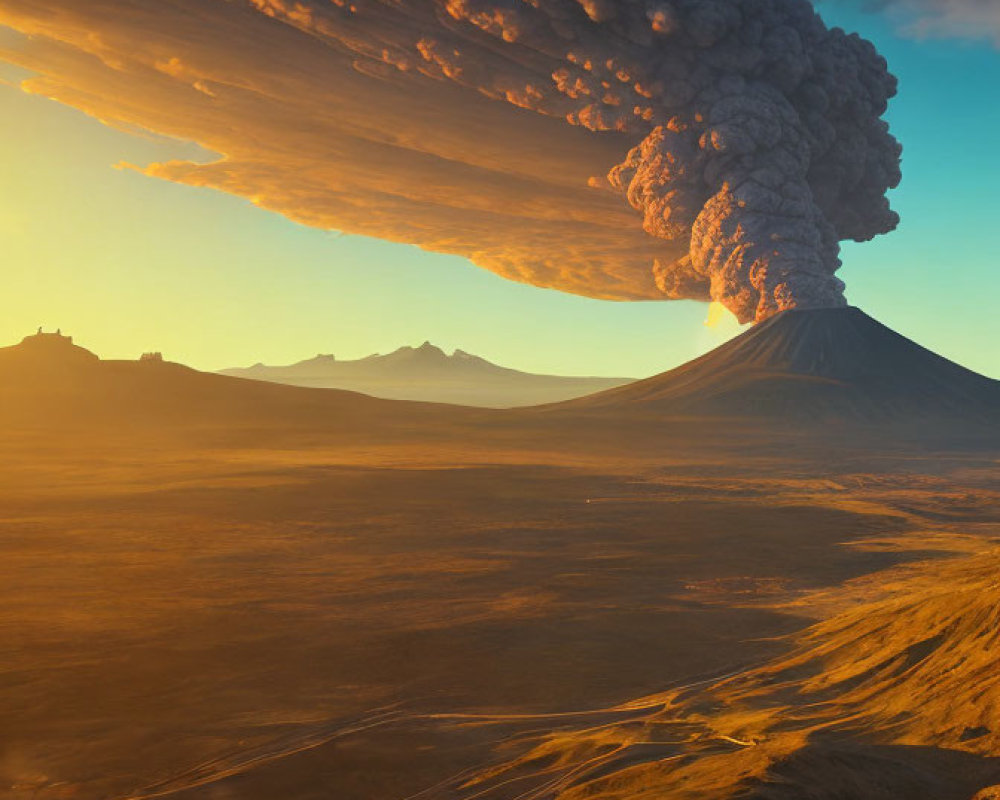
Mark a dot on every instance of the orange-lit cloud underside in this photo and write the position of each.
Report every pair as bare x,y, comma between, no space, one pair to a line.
310,127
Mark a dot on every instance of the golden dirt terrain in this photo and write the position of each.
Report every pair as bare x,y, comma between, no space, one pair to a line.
213,588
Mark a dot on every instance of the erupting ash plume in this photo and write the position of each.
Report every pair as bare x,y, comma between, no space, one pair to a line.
625,149
767,150
763,141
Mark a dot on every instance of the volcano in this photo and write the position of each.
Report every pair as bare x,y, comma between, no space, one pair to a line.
835,363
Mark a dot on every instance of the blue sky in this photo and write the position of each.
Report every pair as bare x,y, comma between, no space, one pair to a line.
129,263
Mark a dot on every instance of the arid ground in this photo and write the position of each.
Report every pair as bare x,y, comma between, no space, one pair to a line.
473,605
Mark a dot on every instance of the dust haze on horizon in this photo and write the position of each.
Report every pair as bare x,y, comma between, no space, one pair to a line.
621,150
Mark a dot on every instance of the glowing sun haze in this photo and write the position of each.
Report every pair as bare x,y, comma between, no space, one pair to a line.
745,136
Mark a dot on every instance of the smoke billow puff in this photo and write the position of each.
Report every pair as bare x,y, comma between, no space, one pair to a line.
763,139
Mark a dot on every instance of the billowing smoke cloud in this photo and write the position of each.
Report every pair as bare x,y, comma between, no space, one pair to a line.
746,136
763,141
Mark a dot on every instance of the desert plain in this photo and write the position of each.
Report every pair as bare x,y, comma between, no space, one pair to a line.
215,587
400,601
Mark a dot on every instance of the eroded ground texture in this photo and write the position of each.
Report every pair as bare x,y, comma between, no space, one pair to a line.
497,611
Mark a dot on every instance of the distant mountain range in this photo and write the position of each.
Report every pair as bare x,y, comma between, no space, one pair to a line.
427,373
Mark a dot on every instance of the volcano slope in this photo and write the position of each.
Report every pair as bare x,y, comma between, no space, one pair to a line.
812,365
217,588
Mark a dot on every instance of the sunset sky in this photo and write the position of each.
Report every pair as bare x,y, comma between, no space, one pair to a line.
129,262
